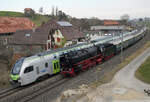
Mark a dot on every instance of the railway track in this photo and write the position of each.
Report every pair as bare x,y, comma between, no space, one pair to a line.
35,93
46,88
23,94
7,92
42,90
11,90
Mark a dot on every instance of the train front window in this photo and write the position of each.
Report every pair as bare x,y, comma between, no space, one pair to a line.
17,67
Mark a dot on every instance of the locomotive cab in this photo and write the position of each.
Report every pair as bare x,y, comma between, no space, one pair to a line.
30,69
14,77
22,73
65,60
109,51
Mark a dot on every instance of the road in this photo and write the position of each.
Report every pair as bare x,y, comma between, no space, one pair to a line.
126,75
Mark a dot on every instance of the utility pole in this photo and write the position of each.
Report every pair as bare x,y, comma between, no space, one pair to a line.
122,44
121,47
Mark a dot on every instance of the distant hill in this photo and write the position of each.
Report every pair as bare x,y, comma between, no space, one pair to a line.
37,19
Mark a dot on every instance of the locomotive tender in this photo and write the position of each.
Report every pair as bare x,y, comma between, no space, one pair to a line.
70,60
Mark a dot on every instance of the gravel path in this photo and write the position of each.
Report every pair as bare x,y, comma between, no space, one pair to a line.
126,76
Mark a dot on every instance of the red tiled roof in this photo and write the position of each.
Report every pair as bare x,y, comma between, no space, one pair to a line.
11,24
111,22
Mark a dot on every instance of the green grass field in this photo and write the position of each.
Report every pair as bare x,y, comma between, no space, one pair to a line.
11,14
37,19
143,73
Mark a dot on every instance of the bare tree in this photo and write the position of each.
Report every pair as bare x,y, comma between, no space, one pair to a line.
6,55
53,11
41,10
56,11
125,17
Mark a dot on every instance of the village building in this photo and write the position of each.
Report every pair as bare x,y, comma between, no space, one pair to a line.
108,27
29,12
53,34
9,25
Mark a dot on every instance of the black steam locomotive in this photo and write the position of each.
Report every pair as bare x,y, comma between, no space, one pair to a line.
80,60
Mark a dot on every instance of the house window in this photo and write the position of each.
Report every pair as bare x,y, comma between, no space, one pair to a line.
27,35
6,41
58,39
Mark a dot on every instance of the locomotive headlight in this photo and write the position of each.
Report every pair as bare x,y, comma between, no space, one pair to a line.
14,77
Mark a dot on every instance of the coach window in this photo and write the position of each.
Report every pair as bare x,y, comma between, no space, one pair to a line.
28,69
46,65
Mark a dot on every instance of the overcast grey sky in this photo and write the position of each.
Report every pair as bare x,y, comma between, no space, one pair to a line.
103,9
